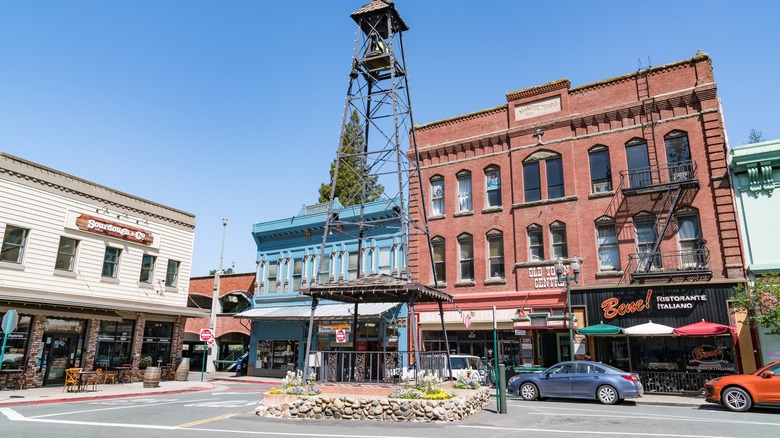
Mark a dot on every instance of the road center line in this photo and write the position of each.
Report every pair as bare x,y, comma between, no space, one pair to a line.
206,420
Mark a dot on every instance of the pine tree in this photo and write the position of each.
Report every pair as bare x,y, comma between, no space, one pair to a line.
354,170
755,136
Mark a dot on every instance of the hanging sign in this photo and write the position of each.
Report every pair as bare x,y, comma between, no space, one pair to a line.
98,225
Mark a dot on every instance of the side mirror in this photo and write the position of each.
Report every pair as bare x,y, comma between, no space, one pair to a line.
767,374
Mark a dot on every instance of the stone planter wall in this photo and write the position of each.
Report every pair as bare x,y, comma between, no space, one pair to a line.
355,407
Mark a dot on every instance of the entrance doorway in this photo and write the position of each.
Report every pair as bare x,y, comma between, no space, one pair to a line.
60,352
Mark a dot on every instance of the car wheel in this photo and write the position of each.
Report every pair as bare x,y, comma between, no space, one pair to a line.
737,399
529,391
607,395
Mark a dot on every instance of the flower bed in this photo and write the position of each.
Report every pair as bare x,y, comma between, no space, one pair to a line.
366,407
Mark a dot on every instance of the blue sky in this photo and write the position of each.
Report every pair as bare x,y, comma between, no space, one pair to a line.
233,108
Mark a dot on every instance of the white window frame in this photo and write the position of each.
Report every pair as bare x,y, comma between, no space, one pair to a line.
9,247
437,195
68,259
495,237
464,192
490,190
537,231
114,273
150,270
469,261
172,275
607,243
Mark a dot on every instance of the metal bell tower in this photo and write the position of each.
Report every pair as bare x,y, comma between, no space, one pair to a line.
378,93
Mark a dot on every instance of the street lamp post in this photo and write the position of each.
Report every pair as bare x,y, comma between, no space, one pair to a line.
575,266
212,356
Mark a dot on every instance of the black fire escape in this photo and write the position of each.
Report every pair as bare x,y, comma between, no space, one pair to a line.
658,190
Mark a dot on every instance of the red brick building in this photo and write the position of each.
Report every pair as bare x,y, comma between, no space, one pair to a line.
232,335
629,174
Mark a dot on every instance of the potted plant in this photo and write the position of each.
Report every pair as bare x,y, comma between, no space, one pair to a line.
145,361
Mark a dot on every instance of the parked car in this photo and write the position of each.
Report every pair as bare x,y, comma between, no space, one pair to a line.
579,379
466,362
740,392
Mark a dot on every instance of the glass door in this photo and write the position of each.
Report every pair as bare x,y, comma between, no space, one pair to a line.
61,355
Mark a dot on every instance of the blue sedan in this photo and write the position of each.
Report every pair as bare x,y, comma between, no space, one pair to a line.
580,379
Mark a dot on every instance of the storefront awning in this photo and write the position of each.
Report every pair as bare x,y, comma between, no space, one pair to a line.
704,328
600,329
327,312
649,329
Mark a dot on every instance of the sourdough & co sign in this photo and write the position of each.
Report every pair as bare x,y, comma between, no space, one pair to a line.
97,225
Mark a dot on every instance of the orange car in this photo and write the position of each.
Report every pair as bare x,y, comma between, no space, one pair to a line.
740,392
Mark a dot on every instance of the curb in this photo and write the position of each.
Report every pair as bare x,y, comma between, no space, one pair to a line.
240,380
103,397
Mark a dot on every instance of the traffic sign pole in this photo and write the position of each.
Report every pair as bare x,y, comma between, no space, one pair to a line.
203,362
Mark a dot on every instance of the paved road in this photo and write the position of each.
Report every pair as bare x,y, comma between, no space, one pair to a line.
229,411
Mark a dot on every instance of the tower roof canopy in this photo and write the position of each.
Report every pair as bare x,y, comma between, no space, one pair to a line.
370,15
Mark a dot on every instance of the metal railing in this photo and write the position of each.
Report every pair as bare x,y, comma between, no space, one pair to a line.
674,383
375,366
653,264
660,174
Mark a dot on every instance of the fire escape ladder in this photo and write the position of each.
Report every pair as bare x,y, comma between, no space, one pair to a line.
666,212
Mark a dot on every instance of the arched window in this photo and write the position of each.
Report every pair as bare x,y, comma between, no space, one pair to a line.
464,191
606,242
535,243
532,177
465,257
495,244
646,236
437,195
439,259
492,186
638,163
678,156
600,169
558,238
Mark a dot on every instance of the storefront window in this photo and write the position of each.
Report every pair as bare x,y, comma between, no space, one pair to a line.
277,355
114,344
16,345
156,343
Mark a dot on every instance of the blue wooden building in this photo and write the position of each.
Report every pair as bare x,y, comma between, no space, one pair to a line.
289,258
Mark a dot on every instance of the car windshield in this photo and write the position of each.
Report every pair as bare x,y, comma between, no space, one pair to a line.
466,362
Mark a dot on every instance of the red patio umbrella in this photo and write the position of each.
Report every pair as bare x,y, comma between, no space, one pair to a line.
704,328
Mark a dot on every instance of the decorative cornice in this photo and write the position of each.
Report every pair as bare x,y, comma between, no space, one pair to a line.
699,56
538,89
469,116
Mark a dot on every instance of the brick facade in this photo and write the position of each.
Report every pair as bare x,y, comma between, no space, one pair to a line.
555,121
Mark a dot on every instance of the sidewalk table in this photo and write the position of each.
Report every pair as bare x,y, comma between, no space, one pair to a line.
8,373
123,373
84,376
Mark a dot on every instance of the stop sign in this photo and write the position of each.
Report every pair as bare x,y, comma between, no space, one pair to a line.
206,334
341,335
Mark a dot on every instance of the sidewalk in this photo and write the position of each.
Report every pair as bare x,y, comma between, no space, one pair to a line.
211,381
54,394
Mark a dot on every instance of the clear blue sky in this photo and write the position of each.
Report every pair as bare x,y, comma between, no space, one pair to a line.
233,108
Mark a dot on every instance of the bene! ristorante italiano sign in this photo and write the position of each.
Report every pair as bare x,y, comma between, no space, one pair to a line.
120,231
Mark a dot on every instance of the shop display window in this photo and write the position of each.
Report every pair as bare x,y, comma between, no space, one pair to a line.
16,345
277,355
156,347
114,343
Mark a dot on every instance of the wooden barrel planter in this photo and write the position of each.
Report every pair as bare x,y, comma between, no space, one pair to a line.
152,377
183,371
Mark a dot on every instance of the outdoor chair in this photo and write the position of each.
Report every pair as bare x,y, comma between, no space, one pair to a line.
109,375
21,378
71,379
94,379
